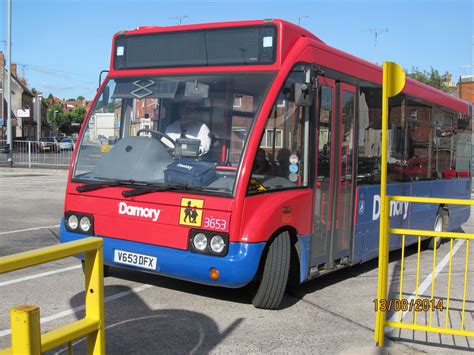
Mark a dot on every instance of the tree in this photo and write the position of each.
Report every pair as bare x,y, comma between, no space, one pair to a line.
77,114
432,78
50,96
80,98
56,116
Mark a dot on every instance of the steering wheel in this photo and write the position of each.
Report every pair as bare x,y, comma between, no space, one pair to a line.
157,135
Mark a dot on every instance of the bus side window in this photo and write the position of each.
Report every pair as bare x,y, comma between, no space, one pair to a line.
279,161
370,129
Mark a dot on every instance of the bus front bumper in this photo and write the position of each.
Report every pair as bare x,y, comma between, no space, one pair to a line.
236,269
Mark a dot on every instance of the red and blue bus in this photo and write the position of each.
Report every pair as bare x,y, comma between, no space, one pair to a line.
249,152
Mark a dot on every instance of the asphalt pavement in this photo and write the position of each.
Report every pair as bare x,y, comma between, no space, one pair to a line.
149,314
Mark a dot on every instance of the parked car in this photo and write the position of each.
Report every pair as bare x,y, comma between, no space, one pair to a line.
48,144
66,143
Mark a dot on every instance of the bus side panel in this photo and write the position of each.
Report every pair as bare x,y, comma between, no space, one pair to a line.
368,216
265,213
407,215
456,188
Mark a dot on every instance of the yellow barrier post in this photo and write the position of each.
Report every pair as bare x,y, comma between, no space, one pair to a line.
392,84
94,278
92,326
25,327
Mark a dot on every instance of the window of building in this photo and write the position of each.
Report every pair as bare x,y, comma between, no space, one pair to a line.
267,139
237,101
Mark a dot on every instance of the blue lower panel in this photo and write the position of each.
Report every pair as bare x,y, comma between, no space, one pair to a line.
305,252
236,269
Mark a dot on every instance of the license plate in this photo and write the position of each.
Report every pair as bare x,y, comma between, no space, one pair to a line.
135,259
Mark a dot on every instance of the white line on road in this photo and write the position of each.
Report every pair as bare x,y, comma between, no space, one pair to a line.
427,282
36,276
70,311
28,229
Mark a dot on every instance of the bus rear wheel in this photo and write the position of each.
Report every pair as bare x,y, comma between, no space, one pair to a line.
274,276
435,242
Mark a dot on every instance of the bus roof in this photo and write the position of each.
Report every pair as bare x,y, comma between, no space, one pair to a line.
288,35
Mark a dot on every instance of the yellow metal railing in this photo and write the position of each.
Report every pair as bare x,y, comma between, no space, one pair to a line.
25,320
381,322
392,83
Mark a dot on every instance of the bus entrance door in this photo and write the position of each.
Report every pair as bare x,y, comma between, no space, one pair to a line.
333,189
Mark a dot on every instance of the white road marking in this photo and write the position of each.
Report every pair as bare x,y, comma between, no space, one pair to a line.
426,283
74,310
36,276
29,229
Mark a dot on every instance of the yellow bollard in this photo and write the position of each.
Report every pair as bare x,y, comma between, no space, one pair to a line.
25,326
392,84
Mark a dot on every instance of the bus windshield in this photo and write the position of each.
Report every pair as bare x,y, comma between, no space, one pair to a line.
178,131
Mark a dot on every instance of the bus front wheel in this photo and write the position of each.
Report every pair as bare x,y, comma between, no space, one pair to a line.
274,275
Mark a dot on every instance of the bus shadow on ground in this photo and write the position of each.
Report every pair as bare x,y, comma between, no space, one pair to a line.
244,295
332,278
241,295
133,328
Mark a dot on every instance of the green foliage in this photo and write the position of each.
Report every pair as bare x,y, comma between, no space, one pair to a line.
56,116
432,78
80,98
77,115
50,96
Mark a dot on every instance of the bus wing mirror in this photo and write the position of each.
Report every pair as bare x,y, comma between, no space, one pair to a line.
105,96
303,94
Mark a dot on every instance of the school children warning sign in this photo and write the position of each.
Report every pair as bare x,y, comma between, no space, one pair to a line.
191,212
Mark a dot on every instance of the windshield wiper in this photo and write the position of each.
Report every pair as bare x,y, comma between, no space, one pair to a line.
103,184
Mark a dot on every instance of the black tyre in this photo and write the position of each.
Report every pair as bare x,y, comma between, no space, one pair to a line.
274,276
106,268
439,226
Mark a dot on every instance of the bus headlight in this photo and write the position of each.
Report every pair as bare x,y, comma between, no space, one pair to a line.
85,224
79,222
72,222
207,242
217,244
200,241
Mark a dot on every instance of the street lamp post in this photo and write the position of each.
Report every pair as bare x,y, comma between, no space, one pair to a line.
300,18
54,120
9,82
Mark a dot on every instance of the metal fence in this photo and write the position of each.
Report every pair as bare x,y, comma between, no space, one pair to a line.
437,304
35,153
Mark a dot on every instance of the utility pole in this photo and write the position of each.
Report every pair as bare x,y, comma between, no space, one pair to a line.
179,19
299,19
9,81
37,107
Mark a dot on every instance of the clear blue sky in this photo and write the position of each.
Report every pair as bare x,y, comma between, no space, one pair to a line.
65,43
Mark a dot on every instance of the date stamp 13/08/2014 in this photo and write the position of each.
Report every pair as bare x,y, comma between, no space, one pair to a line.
408,305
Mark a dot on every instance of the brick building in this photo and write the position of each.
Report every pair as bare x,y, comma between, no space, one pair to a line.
466,88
